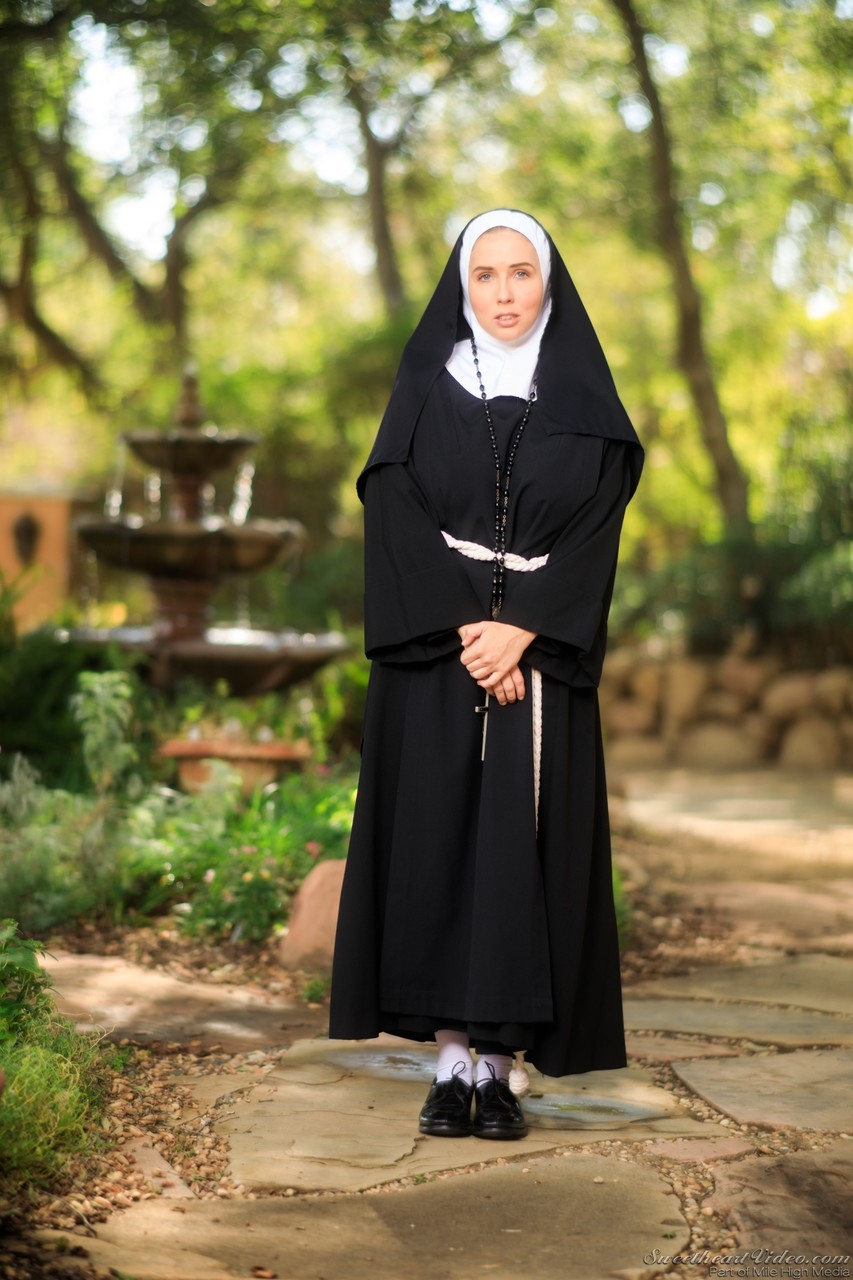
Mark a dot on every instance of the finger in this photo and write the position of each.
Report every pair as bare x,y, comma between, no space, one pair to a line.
518,682
510,691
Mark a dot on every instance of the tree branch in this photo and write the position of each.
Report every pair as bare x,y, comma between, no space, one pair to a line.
692,355
99,243
22,307
376,156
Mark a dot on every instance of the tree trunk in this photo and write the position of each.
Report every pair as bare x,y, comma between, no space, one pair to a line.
376,157
730,482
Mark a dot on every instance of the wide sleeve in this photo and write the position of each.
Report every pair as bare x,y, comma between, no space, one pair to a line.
416,592
566,602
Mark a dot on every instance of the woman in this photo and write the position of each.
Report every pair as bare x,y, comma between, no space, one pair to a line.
477,907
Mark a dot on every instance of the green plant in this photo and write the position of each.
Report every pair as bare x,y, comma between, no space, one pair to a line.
271,844
103,710
623,907
316,988
52,866
37,677
24,985
55,1078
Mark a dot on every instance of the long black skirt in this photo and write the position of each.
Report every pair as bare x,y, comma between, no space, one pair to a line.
465,905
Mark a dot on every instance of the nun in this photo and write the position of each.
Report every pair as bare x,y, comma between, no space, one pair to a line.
477,906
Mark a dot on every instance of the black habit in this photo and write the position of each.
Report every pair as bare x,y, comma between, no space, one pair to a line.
466,904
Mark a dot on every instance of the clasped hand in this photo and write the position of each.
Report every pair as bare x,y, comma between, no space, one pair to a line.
491,652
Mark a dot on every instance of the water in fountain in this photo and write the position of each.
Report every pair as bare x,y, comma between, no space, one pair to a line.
184,549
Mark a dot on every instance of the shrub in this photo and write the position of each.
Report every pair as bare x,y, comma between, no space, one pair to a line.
48,846
232,869
55,1078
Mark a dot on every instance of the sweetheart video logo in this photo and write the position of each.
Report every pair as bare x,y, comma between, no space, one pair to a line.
753,1264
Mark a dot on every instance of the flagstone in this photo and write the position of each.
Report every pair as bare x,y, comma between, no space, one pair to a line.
799,1202
762,1024
813,981
110,994
552,1219
352,1128
670,1049
807,1089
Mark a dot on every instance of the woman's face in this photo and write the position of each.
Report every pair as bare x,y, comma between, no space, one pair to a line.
505,283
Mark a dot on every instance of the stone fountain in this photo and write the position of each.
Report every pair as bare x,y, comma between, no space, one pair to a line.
184,550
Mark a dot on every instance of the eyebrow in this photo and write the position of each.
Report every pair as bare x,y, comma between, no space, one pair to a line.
513,265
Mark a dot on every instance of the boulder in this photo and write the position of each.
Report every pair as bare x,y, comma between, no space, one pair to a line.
745,676
646,682
832,688
763,731
789,696
721,704
685,684
636,751
811,743
845,728
629,715
310,940
618,665
714,745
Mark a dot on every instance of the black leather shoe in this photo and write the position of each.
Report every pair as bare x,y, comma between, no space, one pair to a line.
447,1110
499,1113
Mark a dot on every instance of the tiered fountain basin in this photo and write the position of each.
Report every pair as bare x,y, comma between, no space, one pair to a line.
206,549
184,552
251,661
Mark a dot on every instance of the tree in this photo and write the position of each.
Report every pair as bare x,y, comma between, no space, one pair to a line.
692,352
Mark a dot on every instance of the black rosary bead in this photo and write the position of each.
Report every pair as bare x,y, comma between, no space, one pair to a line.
501,500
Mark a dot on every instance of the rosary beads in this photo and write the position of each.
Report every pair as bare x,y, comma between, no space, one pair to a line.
502,479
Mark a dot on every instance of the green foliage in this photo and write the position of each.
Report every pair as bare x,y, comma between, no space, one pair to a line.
49,871
24,985
230,869
37,677
316,988
103,710
54,1077
622,905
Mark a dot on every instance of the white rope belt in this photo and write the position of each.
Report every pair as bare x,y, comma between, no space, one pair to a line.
474,551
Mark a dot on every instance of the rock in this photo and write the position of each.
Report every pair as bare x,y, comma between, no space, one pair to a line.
646,682
800,1201
618,666
630,715
761,730
832,689
745,676
686,682
809,1088
637,751
845,728
712,745
789,696
812,743
310,939
721,704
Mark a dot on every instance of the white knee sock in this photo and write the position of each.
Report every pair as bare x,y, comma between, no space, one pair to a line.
489,1063
454,1056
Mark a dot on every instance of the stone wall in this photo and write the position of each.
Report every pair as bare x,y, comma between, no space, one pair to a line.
733,712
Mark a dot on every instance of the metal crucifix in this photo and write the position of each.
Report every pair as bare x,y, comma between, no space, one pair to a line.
484,712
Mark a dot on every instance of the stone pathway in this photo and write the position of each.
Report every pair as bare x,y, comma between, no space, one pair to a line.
730,1131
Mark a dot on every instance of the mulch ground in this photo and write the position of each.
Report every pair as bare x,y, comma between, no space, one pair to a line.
667,935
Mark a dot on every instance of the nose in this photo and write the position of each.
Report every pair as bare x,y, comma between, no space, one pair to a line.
505,290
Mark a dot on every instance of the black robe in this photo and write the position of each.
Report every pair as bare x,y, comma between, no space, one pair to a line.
462,906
